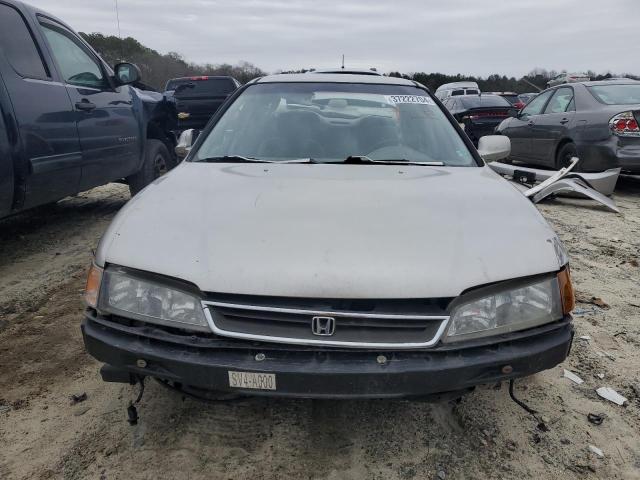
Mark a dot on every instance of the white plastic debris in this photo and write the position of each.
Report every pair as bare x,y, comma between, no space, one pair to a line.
573,377
585,337
596,450
611,395
600,375
552,179
606,354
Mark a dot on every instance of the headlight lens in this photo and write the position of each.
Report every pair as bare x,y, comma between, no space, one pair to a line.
146,300
506,311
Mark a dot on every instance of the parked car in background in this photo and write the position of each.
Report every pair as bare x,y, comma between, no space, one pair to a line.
68,122
198,98
317,255
512,97
568,78
479,115
597,121
526,98
455,89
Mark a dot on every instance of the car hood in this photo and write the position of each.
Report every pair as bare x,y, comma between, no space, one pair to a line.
332,231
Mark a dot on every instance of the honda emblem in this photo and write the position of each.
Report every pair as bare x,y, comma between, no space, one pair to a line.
323,326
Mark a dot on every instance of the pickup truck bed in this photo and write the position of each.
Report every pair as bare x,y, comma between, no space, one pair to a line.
197,98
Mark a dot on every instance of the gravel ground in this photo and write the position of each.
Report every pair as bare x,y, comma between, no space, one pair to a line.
43,258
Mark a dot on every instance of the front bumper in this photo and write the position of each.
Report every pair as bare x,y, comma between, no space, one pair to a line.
306,372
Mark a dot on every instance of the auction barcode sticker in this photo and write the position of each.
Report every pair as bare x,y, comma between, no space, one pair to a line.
416,99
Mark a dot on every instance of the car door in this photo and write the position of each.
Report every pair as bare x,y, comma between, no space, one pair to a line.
6,161
552,126
519,128
110,135
49,162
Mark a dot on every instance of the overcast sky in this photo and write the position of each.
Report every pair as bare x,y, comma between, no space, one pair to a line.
467,36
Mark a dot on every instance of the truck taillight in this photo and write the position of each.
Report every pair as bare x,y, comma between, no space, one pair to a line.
624,125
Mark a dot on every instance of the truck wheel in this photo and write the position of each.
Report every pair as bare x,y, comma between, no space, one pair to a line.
157,162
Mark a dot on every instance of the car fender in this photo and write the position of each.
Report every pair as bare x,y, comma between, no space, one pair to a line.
156,118
503,125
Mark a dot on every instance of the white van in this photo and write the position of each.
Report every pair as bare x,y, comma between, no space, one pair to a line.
457,88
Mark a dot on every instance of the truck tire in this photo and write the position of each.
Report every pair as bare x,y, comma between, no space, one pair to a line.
157,162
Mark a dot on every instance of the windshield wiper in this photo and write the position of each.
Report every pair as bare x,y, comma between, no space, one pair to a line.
363,159
234,159
242,159
299,160
351,159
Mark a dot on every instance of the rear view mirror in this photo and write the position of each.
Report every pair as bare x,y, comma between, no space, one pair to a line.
126,73
185,142
513,112
494,147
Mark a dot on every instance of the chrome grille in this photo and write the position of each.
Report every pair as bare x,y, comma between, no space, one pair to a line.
354,329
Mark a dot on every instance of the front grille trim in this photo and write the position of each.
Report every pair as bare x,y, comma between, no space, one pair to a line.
207,304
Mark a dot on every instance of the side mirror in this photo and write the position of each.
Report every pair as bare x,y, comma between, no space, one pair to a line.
513,112
126,73
494,147
185,142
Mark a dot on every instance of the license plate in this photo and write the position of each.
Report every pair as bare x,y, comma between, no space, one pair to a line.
256,381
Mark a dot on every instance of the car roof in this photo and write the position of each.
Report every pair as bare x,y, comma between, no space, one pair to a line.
28,8
201,77
334,78
454,85
609,81
564,74
347,71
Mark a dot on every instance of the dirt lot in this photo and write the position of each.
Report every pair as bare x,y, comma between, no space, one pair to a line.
43,257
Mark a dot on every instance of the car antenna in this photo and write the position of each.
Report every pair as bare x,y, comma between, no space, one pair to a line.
343,61
119,32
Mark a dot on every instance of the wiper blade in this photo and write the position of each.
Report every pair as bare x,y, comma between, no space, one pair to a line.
242,159
410,162
234,159
359,159
299,160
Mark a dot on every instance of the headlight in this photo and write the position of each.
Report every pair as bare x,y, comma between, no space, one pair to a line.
143,299
506,311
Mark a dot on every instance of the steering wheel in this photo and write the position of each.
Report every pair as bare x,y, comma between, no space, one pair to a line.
273,147
85,77
384,143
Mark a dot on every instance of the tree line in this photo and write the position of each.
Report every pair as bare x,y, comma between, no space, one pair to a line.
534,81
157,68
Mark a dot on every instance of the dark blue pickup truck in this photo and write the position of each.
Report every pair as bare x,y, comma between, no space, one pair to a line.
69,122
